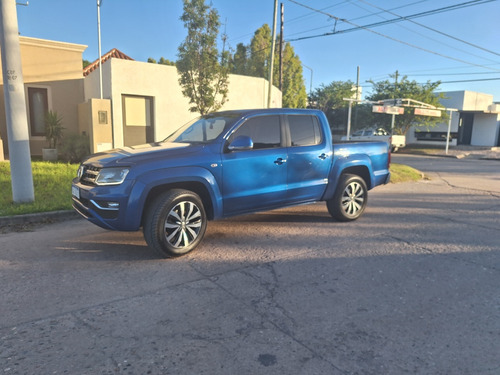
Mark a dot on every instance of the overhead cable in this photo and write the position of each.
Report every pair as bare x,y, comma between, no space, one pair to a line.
357,27
432,29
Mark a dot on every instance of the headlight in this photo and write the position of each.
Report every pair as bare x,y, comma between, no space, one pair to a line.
79,173
111,176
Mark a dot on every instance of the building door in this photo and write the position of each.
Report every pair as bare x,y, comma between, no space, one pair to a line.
465,128
138,120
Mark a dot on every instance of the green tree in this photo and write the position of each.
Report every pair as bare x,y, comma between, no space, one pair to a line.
331,96
239,60
203,72
406,89
294,89
162,61
260,46
254,60
330,99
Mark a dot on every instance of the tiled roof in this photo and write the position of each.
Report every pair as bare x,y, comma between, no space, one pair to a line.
117,54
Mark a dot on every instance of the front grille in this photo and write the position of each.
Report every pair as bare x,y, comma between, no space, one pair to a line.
89,175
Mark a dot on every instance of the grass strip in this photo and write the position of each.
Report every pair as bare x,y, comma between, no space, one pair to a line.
404,173
52,185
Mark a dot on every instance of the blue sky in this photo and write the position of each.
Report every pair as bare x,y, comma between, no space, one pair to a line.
450,45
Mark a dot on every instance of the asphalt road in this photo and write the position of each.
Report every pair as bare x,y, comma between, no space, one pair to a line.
410,288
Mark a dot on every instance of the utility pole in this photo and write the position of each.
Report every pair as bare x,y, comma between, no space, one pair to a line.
15,105
273,43
310,85
393,119
395,85
357,98
281,44
99,3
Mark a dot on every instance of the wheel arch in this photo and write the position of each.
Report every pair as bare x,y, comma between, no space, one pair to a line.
196,187
359,167
149,185
361,171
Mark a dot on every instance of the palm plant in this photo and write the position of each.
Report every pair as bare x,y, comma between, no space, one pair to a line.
53,128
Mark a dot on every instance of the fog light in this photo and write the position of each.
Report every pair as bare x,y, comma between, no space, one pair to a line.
102,205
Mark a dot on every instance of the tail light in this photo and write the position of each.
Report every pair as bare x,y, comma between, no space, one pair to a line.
389,153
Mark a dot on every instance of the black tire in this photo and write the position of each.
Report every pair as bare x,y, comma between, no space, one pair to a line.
350,198
175,223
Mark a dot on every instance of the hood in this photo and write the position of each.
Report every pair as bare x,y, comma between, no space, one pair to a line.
141,153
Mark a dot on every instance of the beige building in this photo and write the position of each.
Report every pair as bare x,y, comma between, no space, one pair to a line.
53,80
142,102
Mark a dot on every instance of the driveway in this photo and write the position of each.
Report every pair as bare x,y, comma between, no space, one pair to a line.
410,288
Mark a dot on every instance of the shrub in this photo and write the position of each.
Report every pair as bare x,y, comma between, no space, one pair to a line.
75,148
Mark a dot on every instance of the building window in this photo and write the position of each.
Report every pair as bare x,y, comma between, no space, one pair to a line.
38,107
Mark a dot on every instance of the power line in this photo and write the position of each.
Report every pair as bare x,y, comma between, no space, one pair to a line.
358,27
423,35
432,29
472,80
422,14
447,74
395,8
381,23
424,72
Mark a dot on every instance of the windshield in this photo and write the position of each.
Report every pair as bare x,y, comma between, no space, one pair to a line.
203,129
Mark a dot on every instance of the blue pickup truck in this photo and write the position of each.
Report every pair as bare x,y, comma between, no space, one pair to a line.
226,164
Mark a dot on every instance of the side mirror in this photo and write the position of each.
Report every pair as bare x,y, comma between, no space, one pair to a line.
241,143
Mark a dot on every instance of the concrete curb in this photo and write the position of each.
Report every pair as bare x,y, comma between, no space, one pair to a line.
456,156
38,218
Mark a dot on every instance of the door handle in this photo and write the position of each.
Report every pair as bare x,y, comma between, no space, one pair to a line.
280,161
323,156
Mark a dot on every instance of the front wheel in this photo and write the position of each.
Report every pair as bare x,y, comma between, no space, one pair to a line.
175,223
350,198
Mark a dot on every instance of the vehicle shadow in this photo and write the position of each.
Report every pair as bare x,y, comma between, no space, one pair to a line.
314,213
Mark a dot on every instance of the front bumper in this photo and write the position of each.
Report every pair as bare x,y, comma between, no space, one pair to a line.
104,206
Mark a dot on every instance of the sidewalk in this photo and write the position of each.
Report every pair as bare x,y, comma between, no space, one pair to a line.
458,152
22,222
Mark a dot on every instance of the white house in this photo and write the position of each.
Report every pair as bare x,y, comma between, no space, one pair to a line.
143,102
476,121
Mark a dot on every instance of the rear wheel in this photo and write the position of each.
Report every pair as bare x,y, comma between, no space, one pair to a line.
175,223
350,198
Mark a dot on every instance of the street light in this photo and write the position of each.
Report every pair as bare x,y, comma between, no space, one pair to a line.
310,83
99,3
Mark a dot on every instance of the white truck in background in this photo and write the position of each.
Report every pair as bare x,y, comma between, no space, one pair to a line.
379,134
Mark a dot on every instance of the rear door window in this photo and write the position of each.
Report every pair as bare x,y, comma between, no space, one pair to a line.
304,130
